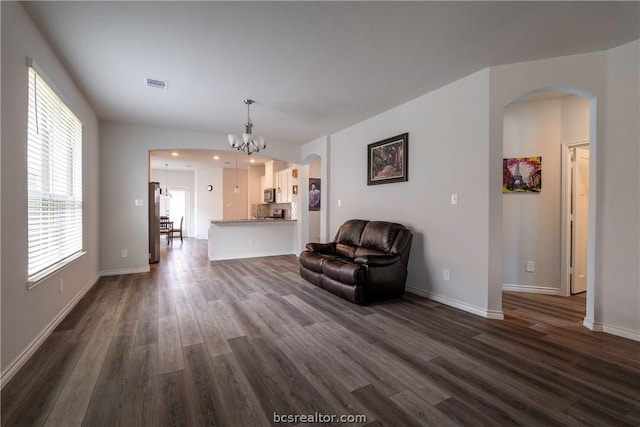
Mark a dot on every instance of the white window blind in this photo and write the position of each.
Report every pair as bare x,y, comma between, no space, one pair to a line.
54,167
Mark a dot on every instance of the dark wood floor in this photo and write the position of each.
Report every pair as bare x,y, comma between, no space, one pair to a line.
194,343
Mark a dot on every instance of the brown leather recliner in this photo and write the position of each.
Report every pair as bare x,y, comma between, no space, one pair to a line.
366,262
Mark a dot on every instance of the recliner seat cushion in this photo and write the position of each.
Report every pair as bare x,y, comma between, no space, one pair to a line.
362,251
344,271
313,260
346,250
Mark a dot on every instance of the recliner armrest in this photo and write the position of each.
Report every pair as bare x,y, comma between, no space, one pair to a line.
377,260
322,248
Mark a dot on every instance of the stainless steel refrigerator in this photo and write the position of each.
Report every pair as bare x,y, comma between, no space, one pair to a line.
154,222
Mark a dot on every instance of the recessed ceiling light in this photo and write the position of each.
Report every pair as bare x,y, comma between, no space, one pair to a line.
174,154
252,161
216,157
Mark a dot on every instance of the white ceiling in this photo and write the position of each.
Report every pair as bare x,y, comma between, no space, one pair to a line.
181,159
313,68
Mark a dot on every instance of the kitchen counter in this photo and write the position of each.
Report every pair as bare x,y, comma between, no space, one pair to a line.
249,238
235,221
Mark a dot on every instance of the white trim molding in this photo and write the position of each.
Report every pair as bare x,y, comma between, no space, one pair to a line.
489,314
125,271
613,330
26,354
544,290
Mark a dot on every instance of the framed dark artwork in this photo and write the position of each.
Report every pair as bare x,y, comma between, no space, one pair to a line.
388,160
314,194
522,175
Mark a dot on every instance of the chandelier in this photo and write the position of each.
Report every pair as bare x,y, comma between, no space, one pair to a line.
248,143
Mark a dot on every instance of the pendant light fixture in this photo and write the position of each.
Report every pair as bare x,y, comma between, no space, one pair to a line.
236,189
248,143
166,193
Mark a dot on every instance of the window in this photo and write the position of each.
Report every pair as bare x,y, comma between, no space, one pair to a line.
54,167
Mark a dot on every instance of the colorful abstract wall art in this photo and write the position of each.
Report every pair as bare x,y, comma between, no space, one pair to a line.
522,175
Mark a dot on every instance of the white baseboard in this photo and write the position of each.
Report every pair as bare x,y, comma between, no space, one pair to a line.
37,342
613,330
489,314
531,289
125,271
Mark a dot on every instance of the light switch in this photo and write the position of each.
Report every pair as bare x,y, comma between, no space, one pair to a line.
454,199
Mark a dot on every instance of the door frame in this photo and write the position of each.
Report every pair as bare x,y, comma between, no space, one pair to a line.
566,240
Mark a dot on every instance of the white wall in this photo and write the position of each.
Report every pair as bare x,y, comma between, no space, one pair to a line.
456,146
617,296
610,78
532,221
575,119
27,314
448,153
236,205
124,151
208,203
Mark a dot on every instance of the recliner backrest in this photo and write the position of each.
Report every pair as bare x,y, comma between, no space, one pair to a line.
350,232
380,235
348,237
360,237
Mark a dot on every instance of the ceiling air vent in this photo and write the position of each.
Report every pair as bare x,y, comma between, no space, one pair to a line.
157,84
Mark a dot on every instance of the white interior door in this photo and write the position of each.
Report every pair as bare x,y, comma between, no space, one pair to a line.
580,203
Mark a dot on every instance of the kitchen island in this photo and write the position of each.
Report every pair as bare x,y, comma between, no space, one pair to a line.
249,238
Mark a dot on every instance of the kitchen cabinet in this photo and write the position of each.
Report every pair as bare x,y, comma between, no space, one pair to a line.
284,184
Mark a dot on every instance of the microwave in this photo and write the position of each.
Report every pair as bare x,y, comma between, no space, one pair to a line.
270,195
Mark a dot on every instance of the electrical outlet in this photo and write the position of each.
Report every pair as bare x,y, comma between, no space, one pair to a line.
250,242
446,274
531,266
125,253
339,202
60,283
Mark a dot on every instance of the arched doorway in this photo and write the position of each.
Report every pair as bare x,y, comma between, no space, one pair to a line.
311,229
538,247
